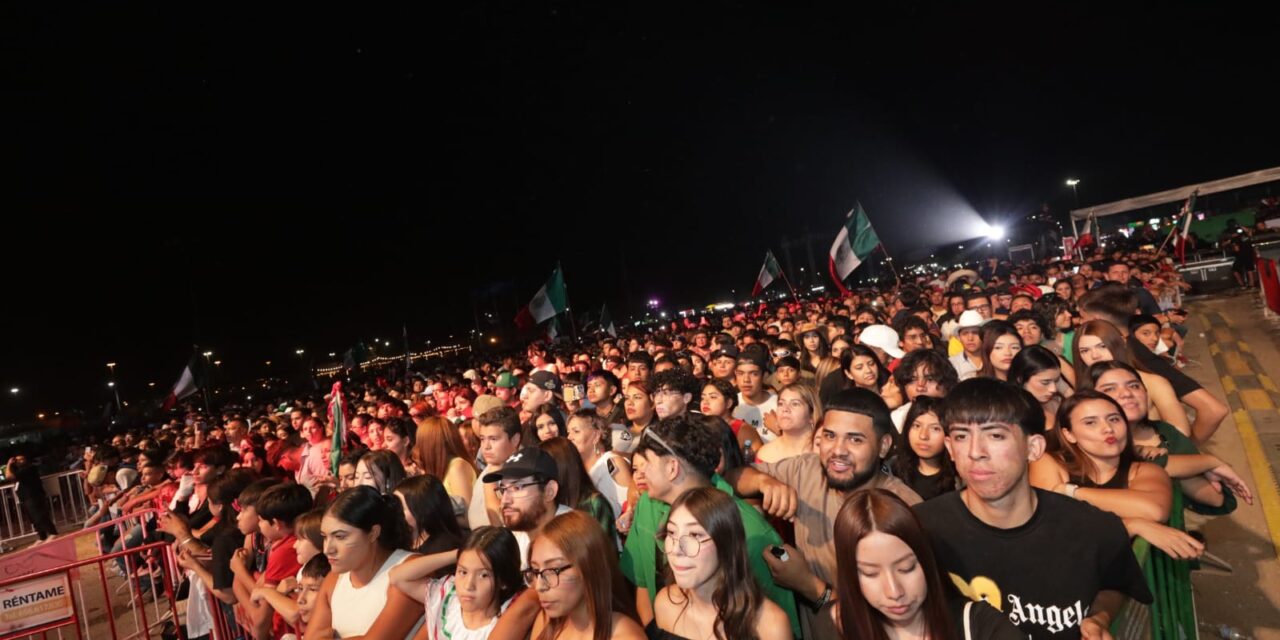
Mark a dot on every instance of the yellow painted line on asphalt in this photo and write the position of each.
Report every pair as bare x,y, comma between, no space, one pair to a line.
1264,480
1228,385
1256,400
1204,320
1214,350
1235,364
1223,335
1244,347
1267,383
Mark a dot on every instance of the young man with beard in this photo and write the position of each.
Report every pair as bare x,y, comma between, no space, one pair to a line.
527,486
1059,568
852,441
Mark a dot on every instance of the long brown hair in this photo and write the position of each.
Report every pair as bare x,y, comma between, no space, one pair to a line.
438,442
1075,460
575,485
585,545
865,512
737,596
1110,337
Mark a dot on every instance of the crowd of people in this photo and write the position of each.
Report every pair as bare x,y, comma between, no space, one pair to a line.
955,457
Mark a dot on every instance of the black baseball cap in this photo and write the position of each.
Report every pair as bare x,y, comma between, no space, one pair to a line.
529,462
546,380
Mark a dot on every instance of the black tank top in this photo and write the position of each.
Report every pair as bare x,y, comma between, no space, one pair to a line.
1118,481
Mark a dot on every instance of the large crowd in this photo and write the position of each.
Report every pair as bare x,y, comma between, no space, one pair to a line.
960,456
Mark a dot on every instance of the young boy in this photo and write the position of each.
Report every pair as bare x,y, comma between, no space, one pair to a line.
249,560
308,590
277,508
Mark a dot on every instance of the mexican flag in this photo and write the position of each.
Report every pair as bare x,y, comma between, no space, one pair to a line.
186,384
551,300
853,244
1086,234
338,418
768,273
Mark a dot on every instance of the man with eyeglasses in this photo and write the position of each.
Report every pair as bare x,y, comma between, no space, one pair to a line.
527,487
681,454
673,390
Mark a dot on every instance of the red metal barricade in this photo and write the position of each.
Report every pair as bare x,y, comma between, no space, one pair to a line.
1270,282
45,588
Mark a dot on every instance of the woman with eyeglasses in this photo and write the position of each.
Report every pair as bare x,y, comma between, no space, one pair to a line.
573,569
711,592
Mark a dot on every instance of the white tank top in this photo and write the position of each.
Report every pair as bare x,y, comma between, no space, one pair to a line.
354,610
608,487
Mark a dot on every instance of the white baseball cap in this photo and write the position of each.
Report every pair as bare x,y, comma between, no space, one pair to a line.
882,337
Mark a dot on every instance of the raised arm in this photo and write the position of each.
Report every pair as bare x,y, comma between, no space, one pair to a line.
411,575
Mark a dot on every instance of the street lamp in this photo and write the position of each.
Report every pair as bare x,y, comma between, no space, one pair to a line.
1072,182
300,351
13,390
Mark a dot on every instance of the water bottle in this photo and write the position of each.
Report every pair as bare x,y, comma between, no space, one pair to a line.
1226,632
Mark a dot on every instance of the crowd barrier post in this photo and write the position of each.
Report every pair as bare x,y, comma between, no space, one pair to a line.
1171,614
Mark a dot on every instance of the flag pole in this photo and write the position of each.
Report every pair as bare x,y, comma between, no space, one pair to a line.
573,326
890,261
787,280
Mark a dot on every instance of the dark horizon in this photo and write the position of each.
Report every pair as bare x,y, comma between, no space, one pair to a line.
260,184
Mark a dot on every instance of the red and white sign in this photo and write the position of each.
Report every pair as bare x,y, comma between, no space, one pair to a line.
35,602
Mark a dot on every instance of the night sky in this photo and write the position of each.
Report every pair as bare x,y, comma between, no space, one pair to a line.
259,182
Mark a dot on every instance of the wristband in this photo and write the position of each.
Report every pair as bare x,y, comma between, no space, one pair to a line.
823,599
1070,490
183,544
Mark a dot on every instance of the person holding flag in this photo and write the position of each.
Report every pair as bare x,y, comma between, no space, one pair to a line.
769,272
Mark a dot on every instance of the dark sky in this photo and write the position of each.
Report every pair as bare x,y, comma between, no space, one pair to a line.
258,182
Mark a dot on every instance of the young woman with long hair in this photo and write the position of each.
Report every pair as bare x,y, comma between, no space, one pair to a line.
1209,485
1097,341
381,470
364,537
1039,370
1096,464
637,404
922,460
813,348
438,451
711,592
797,414
397,438
1000,344
576,489
433,528
889,585
573,569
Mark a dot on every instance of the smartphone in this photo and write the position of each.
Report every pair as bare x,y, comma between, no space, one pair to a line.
572,393
779,553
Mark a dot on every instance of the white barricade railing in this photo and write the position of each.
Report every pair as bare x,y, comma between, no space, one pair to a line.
68,506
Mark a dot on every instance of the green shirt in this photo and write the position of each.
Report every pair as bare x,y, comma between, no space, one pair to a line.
1177,444
640,553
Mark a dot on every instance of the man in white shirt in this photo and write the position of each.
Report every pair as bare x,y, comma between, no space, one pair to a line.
755,399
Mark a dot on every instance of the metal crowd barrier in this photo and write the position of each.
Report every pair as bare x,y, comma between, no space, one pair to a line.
68,506
1172,613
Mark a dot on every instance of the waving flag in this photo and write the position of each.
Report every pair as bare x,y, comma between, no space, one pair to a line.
1188,212
551,300
337,417
853,244
186,385
769,272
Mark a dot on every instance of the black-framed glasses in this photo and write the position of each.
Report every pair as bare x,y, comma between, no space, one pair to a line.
688,544
550,576
515,489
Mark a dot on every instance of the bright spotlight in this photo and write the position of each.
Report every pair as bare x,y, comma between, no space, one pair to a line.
995,232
